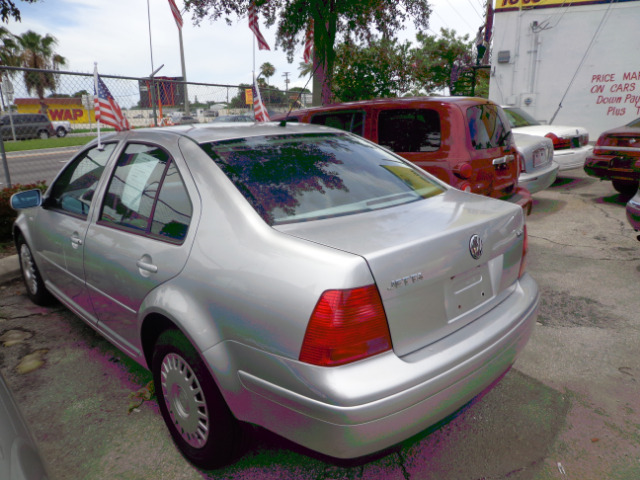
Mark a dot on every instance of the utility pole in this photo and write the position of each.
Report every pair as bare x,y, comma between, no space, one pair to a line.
286,81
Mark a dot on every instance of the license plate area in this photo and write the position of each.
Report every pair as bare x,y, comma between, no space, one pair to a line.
468,290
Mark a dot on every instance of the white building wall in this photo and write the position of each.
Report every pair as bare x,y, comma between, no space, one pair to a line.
589,54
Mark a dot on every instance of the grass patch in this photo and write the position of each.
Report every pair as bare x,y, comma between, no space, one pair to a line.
37,144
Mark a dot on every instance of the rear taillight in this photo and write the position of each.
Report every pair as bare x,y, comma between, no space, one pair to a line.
520,160
345,326
525,250
464,186
559,143
463,170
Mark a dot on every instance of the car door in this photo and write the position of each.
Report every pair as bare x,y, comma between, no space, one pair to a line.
61,225
140,239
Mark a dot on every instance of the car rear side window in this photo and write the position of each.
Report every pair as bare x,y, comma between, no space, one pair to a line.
486,127
73,190
146,194
348,121
409,130
295,178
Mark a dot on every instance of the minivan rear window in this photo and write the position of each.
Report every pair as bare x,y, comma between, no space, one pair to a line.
348,121
294,178
409,130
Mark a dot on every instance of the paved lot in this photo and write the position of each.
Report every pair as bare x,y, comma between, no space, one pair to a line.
568,410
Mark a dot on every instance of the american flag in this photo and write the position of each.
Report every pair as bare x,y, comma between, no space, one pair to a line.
308,42
259,110
176,13
107,110
253,25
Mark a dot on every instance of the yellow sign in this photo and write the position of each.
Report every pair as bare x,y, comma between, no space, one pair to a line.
248,93
525,4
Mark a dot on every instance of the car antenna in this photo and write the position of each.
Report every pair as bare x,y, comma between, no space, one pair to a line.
283,122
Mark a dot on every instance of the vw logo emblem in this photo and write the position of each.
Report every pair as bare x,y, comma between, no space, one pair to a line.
475,246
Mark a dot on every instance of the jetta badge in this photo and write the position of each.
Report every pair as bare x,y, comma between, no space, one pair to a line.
475,246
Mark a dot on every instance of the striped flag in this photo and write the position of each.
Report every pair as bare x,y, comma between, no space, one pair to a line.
259,110
107,109
176,13
308,42
253,25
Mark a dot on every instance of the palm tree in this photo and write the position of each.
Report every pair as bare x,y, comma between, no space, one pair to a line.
36,52
8,48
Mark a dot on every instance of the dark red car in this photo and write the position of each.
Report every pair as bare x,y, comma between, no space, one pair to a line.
616,157
464,141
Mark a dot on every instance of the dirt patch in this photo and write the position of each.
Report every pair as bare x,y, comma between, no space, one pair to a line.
561,309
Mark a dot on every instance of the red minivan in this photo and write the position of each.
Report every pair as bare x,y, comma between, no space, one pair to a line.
464,141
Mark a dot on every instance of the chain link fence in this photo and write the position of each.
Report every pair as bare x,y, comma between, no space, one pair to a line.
45,104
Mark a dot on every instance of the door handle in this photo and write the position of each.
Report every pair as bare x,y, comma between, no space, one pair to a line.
146,266
76,241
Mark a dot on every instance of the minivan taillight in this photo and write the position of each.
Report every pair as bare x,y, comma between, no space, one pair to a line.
345,326
525,250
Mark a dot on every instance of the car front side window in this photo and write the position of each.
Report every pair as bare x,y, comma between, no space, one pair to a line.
73,190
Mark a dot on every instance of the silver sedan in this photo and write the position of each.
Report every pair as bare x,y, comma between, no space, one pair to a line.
289,275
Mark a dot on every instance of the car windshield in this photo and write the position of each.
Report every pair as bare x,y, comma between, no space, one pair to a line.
520,118
294,178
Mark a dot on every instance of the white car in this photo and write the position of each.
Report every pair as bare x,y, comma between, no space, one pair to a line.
538,170
61,127
570,144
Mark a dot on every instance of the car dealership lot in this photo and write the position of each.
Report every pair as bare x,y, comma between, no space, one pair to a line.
569,405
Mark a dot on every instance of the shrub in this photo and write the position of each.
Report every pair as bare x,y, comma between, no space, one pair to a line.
8,214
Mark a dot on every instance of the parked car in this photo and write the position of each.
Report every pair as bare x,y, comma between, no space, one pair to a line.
296,277
633,212
463,141
20,458
234,118
61,127
187,120
570,144
26,126
616,157
538,169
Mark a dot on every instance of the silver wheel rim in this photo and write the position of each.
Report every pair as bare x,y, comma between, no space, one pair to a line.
29,269
185,400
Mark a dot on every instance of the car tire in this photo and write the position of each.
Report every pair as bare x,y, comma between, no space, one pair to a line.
199,420
61,132
36,291
43,134
626,188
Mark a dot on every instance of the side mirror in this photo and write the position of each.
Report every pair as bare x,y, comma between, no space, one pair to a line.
26,199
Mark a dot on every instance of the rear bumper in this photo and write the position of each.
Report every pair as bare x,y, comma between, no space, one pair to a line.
612,168
361,408
572,158
540,179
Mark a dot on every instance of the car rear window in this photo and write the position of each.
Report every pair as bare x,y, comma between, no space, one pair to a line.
409,130
520,118
486,128
294,178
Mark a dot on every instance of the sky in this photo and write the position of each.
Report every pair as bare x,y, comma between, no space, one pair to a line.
116,34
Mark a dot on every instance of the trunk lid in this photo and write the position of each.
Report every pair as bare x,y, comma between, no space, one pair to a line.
420,256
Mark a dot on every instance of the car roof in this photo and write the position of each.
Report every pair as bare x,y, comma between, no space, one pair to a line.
398,102
212,132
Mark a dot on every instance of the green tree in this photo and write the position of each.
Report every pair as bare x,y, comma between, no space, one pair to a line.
8,9
333,20
443,62
380,70
36,52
